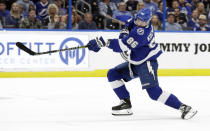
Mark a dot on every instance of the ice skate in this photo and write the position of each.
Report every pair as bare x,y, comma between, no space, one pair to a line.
124,108
187,112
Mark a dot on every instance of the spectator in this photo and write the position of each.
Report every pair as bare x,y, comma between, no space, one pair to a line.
151,5
41,9
94,5
139,6
95,12
106,9
193,21
21,7
131,5
88,23
31,22
13,21
65,19
61,11
74,22
56,23
194,4
171,25
175,4
25,4
180,18
156,22
185,7
52,10
122,15
202,26
200,8
159,12
3,11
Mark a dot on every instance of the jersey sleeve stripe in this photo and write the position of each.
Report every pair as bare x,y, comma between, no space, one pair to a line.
151,54
123,47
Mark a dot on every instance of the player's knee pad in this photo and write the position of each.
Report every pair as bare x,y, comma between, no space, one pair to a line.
154,92
113,75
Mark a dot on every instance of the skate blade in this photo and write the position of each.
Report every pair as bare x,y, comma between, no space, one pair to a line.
122,112
191,114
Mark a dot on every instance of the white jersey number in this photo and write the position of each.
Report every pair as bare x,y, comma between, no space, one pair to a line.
131,42
151,38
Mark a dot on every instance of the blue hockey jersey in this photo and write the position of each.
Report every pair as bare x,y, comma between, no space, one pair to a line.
138,46
41,9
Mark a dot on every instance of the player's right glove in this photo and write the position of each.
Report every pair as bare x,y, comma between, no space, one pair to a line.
124,32
96,44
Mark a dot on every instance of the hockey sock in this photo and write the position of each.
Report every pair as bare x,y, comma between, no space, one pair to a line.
166,98
173,102
122,92
114,78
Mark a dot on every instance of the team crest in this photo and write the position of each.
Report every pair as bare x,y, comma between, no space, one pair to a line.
140,31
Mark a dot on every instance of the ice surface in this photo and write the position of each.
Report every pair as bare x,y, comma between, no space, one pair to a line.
72,104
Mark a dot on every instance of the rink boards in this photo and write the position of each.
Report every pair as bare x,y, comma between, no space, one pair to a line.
185,54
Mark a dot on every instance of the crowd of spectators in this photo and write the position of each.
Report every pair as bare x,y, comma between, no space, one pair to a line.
112,14
180,15
34,14
109,14
188,15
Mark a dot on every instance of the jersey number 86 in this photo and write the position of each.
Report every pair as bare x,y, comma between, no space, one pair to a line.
131,42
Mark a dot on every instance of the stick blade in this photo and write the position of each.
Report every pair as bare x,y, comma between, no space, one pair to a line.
24,48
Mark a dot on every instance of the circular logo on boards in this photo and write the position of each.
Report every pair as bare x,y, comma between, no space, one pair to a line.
77,54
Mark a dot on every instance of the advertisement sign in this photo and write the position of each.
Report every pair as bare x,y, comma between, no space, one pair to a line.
180,51
12,57
184,50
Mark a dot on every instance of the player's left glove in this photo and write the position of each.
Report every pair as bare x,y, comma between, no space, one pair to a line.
96,44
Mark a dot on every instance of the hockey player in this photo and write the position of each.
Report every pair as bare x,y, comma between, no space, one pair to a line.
137,46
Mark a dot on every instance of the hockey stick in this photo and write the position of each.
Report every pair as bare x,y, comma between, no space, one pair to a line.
29,51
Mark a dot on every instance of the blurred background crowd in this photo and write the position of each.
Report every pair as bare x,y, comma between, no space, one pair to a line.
34,14
177,15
